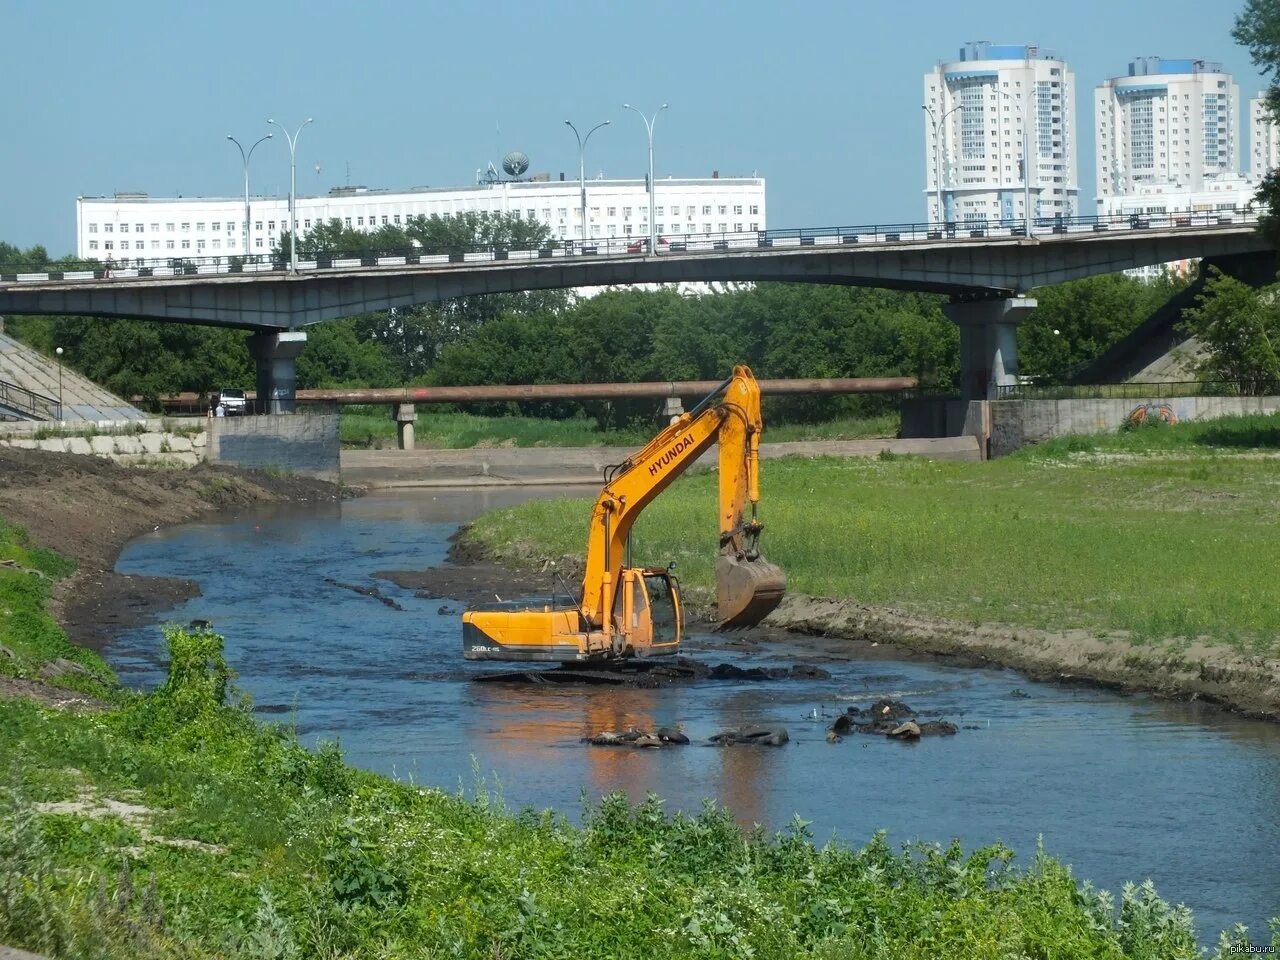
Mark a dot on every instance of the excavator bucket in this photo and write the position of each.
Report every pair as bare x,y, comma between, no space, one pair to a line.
747,590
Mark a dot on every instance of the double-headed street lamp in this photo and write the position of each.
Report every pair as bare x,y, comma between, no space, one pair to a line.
293,182
937,152
582,167
648,125
244,157
1026,159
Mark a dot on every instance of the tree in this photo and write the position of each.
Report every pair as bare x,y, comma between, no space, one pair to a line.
1240,328
1257,27
1077,321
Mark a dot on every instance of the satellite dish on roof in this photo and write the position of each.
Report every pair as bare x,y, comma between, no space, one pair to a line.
515,163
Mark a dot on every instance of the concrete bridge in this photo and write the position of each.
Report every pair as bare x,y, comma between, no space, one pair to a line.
986,270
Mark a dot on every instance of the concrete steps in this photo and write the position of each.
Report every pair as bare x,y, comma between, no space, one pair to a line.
82,399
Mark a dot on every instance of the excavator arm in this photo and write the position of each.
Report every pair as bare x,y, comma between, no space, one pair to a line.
628,611
747,587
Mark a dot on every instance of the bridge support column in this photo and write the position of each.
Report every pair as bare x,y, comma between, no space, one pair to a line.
988,343
405,417
276,355
672,410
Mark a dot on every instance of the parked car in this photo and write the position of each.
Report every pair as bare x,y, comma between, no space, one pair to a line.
233,402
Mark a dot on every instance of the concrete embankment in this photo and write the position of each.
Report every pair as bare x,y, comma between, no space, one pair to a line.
541,465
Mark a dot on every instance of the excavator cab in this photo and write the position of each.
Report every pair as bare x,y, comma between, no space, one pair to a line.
648,618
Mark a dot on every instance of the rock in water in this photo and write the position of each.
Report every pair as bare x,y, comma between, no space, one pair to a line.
843,724
937,727
670,735
646,741
907,731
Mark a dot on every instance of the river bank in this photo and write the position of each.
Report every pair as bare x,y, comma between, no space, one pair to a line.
1141,573
87,508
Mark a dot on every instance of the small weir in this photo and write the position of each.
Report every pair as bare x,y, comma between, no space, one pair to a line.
1122,788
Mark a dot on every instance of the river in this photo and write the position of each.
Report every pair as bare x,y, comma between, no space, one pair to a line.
1121,787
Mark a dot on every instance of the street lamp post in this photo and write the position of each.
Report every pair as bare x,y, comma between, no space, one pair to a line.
937,152
582,167
1026,159
648,125
58,351
293,182
245,157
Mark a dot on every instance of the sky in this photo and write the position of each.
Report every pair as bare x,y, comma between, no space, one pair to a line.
820,97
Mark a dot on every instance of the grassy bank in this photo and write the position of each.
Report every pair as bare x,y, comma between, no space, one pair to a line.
172,825
372,427
1163,534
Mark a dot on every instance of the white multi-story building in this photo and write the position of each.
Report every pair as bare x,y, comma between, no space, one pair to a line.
974,135
131,226
1264,139
1167,123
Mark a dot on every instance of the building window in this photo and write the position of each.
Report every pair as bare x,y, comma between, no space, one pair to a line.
706,228
659,212
271,225
186,244
257,242
397,218
169,227
755,226
723,227
124,228
307,224
217,227
384,220
675,211
737,227
186,227
168,244
137,228
155,244
737,209
626,213
613,211
93,244
108,245
706,210
359,221
200,226
93,228
723,209
124,244
107,227
155,228
627,229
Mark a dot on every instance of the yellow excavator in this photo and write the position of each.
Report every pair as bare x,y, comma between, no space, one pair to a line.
627,611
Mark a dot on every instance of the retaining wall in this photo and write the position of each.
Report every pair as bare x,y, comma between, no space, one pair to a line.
152,447
306,444
1015,423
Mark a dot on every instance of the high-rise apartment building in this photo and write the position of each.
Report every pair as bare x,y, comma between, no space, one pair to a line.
1264,139
980,108
1167,124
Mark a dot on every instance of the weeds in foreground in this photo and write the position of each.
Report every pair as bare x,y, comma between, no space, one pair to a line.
318,859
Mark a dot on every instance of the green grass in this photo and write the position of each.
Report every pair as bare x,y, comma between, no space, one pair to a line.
303,856
1154,532
29,636
372,426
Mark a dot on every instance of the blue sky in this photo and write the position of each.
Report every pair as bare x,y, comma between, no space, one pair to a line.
821,97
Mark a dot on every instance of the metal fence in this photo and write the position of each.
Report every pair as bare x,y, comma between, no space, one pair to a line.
26,402
628,246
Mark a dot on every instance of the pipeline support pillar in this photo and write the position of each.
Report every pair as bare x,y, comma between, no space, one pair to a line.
276,355
988,343
672,410
405,417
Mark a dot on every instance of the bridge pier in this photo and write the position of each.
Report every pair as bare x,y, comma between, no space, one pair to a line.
405,418
276,355
988,343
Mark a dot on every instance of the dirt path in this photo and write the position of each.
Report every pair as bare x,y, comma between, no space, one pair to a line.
1194,671
88,508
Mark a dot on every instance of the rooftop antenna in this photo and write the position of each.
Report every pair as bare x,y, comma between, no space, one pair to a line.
348,173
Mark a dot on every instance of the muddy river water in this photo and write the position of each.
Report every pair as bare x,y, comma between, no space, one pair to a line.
1122,788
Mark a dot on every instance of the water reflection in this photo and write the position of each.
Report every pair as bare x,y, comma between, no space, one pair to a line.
1122,788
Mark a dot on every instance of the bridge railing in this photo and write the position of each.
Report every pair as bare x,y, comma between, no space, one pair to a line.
1159,390
632,245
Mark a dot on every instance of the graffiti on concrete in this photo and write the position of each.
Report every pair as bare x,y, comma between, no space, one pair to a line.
1145,413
